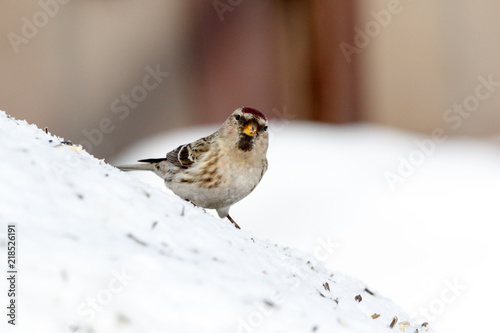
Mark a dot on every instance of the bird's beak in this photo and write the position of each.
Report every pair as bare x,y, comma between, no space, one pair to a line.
250,129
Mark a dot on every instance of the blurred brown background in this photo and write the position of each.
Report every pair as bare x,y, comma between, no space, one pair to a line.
96,70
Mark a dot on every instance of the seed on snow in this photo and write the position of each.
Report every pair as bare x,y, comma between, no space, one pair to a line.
404,325
369,292
393,322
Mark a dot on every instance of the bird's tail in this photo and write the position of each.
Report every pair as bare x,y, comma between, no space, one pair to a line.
148,165
134,167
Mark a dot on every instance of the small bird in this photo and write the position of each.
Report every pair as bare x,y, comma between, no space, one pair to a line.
219,170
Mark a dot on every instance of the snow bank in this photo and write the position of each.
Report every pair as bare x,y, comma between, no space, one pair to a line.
100,251
429,244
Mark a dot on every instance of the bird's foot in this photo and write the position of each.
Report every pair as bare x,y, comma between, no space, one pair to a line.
232,221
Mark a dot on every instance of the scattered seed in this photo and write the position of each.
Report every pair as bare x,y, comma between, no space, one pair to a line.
74,147
269,303
138,241
404,325
336,300
154,224
358,298
393,322
71,236
326,286
343,323
375,315
46,129
74,327
315,328
80,196
320,293
425,324
369,292
122,319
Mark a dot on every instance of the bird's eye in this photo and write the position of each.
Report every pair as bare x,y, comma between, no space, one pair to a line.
265,128
237,117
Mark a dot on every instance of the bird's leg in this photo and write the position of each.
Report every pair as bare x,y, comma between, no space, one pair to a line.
232,221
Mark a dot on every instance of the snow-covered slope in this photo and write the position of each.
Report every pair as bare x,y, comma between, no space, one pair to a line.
430,244
99,251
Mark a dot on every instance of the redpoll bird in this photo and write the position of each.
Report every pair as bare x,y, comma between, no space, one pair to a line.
219,170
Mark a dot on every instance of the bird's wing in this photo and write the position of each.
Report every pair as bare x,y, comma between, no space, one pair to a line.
184,156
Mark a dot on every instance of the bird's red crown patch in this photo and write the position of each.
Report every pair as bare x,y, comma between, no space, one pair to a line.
253,111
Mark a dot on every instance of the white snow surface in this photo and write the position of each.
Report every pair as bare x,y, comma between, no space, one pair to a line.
100,251
431,244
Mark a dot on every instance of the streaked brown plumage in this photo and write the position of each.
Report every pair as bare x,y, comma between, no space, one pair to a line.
219,170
